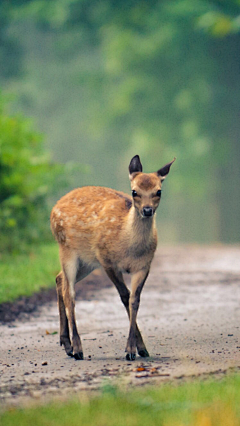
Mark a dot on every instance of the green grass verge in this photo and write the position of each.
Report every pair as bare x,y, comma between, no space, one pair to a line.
24,274
209,403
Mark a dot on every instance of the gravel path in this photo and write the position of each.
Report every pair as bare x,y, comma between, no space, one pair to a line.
189,316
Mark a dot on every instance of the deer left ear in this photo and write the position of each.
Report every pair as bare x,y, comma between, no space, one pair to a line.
163,172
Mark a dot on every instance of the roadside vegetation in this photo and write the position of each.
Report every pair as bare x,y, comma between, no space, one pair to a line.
29,183
28,178
25,273
199,403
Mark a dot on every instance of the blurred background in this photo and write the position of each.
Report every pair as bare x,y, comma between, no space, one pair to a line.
97,82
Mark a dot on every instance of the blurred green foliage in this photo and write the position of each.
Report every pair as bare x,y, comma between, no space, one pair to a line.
33,271
27,179
107,80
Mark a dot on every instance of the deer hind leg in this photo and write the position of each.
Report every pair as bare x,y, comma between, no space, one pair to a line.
117,279
64,329
73,270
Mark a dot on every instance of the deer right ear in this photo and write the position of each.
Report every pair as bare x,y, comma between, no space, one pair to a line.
135,166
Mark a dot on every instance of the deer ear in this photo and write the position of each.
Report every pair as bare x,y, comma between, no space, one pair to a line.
135,166
163,172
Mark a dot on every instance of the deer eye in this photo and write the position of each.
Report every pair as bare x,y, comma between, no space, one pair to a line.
134,193
159,192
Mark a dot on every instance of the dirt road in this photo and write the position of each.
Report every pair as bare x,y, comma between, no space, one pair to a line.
189,317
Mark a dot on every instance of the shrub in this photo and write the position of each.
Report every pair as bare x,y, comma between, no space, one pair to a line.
27,179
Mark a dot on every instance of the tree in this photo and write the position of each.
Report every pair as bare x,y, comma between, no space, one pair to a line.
165,82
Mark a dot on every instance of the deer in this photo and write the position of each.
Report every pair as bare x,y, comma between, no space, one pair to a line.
102,227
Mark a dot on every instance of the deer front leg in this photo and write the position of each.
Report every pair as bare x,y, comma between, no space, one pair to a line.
68,298
64,329
117,279
137,283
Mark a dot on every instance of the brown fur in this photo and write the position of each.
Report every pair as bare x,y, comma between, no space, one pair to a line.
95,227
148,182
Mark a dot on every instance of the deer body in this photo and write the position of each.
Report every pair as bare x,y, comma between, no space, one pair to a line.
97,226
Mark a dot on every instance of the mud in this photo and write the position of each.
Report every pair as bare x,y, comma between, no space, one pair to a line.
189,317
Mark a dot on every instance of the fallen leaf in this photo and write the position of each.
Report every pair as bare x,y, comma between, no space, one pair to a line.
140,369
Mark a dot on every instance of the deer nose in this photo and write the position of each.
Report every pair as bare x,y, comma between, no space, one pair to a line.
147,211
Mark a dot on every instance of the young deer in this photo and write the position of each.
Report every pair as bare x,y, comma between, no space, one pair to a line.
97,226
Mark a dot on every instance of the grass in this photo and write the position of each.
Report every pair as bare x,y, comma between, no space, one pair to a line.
209,403
25,274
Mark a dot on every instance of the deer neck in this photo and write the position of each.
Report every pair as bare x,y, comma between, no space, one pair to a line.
140,230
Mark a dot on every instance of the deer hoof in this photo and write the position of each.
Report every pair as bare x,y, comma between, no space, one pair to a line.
143,353
78,355
64,341
131,357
